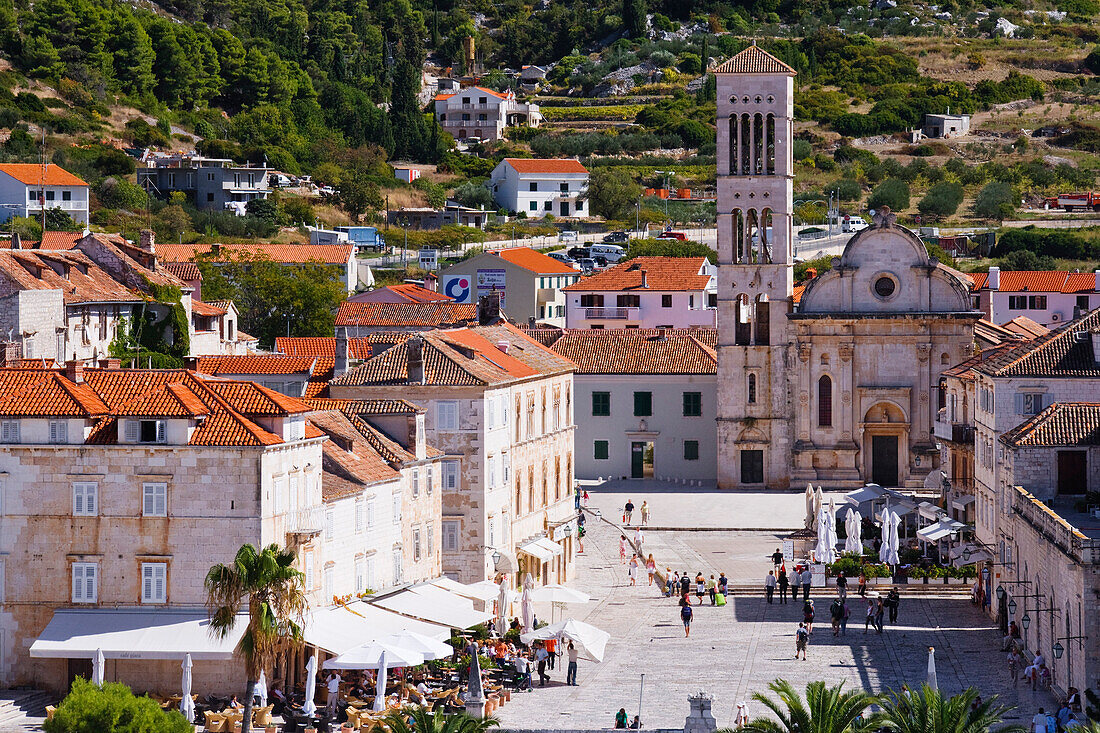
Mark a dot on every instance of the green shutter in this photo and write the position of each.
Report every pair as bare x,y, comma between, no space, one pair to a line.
599,450
643,404
601,404
691,450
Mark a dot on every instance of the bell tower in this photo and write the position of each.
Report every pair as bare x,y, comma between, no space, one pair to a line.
756,269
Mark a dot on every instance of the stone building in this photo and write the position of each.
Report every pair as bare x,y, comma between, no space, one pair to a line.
500,407
842,389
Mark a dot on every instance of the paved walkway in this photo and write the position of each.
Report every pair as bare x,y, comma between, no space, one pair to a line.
737,650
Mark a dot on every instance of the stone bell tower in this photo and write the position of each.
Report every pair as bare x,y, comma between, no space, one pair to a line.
756,269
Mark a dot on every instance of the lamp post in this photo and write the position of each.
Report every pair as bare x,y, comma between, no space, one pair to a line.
637,217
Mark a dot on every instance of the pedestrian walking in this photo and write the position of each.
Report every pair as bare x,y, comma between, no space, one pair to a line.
700,586
632,569
893,599
777,558
577,498
586,497
880,611
645,513
622,549
685,583
628,512
1039,722
650,567
870,615
808,615
639,538
783,582
769,585
552,650
541,656
841,585
686,614
801,639
1014,661
723,583
836,614
672,582
712,590
571,670
741,719
523,669
862,585
806,578
844,617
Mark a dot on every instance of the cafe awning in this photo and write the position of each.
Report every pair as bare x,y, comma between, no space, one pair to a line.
962,502
541,548
340,628
939,530
434,604
864,495
929,510
970,554
127,633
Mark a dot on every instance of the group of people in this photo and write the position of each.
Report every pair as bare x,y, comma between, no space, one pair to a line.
628,513
541,657
1065,719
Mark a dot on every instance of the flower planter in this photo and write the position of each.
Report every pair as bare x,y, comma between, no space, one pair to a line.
956,581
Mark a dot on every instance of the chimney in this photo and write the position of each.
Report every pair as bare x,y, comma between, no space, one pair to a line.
10,352
414,348
341,365
503,346
16,241
147,240
74,371
216,249
994,280
110,363
488,308
191,363
645,282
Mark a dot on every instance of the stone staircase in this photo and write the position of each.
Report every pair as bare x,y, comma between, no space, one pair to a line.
18,708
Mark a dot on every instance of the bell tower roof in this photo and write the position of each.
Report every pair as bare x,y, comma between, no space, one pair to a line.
754,60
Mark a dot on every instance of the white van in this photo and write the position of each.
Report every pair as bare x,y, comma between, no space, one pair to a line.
569,236
611,252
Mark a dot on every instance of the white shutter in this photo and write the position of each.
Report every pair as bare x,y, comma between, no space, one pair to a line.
154,582
360,512
155,500
53,431
84,582
450,475
370,513
132,427
91,583
78,500
1019,400
84,499
146,583
78,583
160,431
330,524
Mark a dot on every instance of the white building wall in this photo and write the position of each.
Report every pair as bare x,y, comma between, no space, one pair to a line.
512,191
16,200
344,543
688,309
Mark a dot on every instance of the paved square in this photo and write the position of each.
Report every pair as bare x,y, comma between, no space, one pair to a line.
737,650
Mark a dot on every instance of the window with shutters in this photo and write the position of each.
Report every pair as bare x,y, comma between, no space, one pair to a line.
307,570
431,540
643,404
154,500
59,431
398,570
491,472
330,525
396,508
592,300
450,535
415,482
154,582
278,490
371,513
328,586
446,415
505,469
416,545
360,575
693,404
1029,403
429,480
492,531
85,499
360,515
9,431
85,582
450,475
601,404
628,300
490,413
691,450
145,431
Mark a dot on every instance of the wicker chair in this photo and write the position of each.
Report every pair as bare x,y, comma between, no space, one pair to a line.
215,722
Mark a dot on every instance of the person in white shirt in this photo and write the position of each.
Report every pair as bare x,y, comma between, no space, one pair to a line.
1039,722
571,670
333,694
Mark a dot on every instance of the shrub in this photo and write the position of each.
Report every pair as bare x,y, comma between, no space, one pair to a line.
802,149
996,200
845,189
892,192
90,709
118,193
942,200
473,195
297,210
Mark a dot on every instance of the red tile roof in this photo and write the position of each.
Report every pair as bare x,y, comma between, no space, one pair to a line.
186,271
490,92
78,277
754,60
537,166
349,462
30,174
534,261
1026,327
404,315
413,293
1066,352
662,273
1037,281
1074,424
366,407
639,351
359,347
200,308
59,240
255,364
329,254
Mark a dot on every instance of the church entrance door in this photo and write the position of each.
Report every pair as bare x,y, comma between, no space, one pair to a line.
884,460
641,460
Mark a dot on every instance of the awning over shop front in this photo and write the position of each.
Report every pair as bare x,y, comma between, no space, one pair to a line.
542,548
962,502
969,554
939,530
134,634
868,493
929,510
341,628
434,604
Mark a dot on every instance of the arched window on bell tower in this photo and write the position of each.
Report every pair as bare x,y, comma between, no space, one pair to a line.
825,401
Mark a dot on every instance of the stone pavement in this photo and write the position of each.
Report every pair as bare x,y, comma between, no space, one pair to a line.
737,650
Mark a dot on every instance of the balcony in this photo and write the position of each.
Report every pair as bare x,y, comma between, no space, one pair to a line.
63,205
612,314
306,521
956,432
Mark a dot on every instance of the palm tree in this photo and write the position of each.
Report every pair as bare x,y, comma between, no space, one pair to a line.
928,711
419,720
268,582
825,709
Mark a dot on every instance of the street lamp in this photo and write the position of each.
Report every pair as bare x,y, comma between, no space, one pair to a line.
1000,592
496,558
1058,649
1012,609
1025,621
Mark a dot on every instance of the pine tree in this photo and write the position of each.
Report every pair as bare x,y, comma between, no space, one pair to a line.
634,13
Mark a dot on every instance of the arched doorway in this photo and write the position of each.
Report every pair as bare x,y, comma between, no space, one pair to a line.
885,437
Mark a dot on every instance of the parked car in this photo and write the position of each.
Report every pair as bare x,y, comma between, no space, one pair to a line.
610,252
672,235
578,253
588,265
616,238
569,236
564,258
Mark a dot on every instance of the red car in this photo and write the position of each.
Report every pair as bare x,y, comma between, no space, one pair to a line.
672,235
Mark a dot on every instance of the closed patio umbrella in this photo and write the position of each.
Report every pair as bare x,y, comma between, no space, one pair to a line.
261,688
380,685
932,681
884,546
810,516
98,668
819,501
892,556
187,705
830,534
820,530
502,607
527,613
852,526
309,707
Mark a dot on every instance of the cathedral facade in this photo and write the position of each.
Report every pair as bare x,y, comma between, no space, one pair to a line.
841,388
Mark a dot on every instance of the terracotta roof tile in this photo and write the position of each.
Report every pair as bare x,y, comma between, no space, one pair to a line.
359,347
329,254
1061,424
30,174
366,407
639,351
404,315
754,60
60,240
662,273
534,261
1037,281
1061,353
254,399
413,293
186,271
255,364
206,309
965,370
545,166
1026,327
45,393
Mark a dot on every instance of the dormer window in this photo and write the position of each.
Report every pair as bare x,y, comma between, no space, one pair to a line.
59,431
296,429
145,431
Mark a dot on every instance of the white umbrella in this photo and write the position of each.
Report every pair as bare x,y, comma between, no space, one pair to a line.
932,681
261,688
428,647
819,548
830,534
98,668
527,614
483,590
376,655
502,607
852,542
555,593
809,506
380,685
187,705
819,501
892,557
884,547
589,641
309,707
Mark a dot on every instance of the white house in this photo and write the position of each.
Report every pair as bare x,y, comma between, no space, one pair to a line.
1048,297
27,188
646,401
646,292
541,186
482,113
